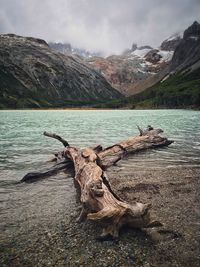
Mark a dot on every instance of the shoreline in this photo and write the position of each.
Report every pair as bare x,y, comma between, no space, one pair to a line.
88,108
62,242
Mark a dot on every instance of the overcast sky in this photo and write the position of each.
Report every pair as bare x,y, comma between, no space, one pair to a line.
99,25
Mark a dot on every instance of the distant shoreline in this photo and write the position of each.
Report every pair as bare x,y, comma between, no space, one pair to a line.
90,108
57,109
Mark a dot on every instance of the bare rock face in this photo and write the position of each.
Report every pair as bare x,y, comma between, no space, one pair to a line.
193,31
171,43
187,52
130,72
121,72
141,67
153,56
34,75
134,47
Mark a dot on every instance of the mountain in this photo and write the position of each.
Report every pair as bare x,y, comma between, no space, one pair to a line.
180,88
187,52
67,49
34,75
172,42
136,69
132,71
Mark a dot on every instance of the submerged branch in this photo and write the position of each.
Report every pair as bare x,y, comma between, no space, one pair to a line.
34,176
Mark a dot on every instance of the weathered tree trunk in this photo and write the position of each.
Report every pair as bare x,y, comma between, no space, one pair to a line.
99,202
132,145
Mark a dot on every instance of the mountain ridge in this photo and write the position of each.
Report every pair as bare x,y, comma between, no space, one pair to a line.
34,75
180,86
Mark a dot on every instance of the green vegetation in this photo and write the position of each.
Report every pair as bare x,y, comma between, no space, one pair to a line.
13,102
181,90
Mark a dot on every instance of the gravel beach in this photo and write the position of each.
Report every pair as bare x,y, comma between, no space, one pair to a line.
174,195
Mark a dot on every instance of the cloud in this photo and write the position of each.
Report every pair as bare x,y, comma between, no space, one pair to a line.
109,26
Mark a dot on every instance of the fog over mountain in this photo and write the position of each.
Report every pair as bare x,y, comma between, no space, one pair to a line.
108,26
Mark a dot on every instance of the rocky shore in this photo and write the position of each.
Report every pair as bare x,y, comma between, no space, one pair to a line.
174,194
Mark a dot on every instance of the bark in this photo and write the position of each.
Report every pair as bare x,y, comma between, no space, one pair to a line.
149,139
99,202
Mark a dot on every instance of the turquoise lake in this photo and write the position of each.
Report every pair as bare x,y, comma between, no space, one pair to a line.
24,148
28,210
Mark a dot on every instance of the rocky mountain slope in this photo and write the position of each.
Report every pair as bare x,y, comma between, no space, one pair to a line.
137,68
181,90
34,75
172,42
134,70
187,52
181,86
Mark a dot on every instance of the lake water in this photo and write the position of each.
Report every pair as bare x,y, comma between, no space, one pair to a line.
24,148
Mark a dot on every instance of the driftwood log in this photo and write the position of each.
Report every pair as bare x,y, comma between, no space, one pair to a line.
99,202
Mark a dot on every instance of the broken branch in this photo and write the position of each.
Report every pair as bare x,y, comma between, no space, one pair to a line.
57,137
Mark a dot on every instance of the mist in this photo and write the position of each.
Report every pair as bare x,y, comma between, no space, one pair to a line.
108,27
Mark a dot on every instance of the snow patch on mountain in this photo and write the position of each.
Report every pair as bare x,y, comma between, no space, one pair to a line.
166,55
194,37
176,36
